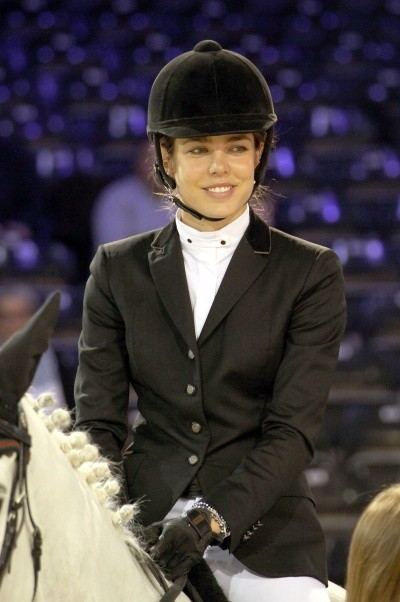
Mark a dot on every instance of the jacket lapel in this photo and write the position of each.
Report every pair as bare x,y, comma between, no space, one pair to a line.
168,272
248,261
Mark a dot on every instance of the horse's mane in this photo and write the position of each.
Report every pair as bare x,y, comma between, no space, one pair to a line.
99,473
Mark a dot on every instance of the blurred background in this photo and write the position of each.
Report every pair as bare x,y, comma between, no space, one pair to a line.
74,82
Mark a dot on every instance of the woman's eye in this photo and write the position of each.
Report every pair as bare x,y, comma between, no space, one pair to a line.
197,150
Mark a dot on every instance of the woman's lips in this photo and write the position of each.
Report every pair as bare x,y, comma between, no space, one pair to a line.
219,189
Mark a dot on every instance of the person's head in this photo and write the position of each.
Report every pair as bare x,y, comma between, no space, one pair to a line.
373,567
18,302
210,118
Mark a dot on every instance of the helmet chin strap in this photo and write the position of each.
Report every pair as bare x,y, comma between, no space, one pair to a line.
193,212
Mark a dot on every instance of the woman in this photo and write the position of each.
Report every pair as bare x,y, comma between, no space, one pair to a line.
229,332
373,567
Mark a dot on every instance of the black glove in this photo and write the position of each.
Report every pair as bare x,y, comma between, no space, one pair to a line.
182,543
150,536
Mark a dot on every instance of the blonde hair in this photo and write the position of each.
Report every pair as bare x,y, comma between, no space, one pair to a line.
373,566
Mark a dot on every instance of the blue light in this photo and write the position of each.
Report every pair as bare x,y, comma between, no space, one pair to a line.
45,54
77,90
46,20
342,55
16,19
377,93
374,250
391,167
5,94
48,87
284,162
17,59
141,55
6,128
330,20
109,91
307,91
76,55
139,21
21,87
331,212
277,93
55,124
269,55
32,131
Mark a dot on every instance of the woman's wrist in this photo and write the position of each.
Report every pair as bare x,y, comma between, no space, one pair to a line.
217,523
215,528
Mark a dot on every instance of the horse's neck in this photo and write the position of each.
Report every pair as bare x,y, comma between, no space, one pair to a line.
83,556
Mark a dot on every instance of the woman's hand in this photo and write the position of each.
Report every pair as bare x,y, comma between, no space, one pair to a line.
182,543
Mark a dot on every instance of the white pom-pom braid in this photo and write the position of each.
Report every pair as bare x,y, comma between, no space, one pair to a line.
94,472
78,439
92,468
45,400
77,457
107,490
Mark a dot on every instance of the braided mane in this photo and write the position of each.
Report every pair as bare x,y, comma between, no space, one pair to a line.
91,467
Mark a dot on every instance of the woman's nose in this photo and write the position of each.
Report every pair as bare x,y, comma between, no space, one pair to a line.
219,162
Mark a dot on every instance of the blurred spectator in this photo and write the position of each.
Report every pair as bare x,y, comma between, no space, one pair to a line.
18,302
373,569
129,204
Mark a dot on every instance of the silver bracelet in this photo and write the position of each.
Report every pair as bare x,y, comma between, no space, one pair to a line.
224,529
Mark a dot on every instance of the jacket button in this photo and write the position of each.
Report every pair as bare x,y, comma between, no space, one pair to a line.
193,459
190,354
196,427
190,389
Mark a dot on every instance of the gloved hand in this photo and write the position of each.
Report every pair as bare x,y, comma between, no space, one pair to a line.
150,535
182,543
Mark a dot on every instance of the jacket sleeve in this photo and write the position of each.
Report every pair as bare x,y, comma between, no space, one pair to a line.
102,381
291,421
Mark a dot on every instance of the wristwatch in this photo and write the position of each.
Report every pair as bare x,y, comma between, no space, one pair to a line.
201,521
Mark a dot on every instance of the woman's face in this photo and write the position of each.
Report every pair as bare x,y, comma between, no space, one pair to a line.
214,175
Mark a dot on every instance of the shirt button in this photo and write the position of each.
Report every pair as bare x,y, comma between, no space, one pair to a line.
196,427
190,389
190,354
193,459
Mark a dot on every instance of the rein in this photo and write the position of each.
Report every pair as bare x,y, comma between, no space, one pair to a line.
173,592
17,439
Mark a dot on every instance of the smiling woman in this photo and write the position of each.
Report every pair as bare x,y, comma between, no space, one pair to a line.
229,332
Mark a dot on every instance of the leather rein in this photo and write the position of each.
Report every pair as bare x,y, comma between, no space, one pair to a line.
17,439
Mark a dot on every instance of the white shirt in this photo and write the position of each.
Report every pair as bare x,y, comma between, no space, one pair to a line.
206,256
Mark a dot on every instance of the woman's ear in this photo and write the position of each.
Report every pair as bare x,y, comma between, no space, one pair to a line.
259,151
167,162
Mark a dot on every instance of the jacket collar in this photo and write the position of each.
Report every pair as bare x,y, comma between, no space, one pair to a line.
168,272
258,235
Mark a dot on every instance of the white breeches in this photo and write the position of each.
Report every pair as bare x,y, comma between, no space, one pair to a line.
240,584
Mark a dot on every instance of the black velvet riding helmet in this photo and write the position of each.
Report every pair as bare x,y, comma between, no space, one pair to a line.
208,91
